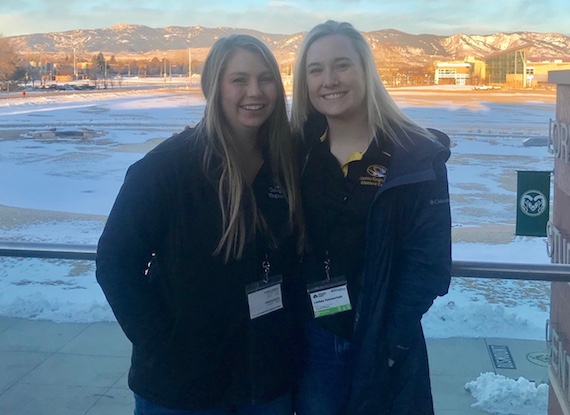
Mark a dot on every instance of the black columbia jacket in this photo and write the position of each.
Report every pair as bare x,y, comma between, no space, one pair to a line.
407,265
184,309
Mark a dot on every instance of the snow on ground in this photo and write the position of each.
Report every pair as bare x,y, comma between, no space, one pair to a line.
81,178
500,395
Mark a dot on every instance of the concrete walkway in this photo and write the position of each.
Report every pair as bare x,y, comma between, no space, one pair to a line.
81,369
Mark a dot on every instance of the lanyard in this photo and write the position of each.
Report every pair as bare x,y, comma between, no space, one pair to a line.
266,265
376,154
330,223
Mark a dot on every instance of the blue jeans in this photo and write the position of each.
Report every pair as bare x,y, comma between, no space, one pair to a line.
324,381
279,406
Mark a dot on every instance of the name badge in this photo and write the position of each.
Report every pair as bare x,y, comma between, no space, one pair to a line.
264,297
329,297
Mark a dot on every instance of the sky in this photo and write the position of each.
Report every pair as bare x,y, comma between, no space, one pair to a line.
82,177
439,17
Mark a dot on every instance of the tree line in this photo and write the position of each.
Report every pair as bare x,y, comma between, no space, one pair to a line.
41,69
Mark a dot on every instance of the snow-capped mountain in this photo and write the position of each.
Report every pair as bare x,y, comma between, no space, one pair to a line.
392,44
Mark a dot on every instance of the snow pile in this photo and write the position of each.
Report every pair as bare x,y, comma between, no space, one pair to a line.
499,395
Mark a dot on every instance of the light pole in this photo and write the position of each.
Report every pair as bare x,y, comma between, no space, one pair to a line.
190,65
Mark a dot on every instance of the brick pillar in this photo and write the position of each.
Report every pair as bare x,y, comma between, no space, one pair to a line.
559,243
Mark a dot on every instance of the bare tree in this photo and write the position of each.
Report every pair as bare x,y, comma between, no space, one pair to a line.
8,62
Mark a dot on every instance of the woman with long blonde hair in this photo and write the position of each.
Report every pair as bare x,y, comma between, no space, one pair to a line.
197,257
374,187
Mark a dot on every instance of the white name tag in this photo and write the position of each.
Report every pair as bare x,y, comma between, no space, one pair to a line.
264,297
329,298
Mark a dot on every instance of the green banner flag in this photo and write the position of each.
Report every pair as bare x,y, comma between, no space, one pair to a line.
533,202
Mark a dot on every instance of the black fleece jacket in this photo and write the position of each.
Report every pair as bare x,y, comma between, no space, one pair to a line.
183,308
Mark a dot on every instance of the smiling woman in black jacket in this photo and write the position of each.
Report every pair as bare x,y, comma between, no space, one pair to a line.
198,253
374,187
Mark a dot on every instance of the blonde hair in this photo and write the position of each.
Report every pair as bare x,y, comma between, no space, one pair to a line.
383,113
240,218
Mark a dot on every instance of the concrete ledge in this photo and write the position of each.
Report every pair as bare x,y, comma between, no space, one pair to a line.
559,77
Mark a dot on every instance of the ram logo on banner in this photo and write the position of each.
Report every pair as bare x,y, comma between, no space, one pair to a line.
533,202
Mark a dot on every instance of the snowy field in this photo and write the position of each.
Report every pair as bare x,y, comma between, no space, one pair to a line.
63,158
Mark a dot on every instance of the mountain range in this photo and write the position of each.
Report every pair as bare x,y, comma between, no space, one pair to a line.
389,44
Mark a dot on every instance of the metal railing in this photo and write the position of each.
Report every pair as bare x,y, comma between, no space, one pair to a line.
45,250
466,269
511,271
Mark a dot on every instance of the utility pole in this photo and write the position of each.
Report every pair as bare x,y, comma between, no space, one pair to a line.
190,65
74,66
